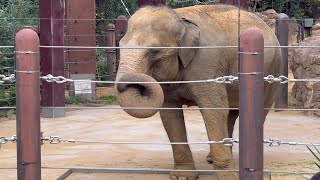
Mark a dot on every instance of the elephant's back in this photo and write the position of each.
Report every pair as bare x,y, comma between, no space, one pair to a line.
221,22
226,18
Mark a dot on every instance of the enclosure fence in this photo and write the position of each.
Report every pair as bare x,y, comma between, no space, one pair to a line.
28,77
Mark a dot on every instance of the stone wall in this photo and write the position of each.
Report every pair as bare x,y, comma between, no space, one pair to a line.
316,29
305,64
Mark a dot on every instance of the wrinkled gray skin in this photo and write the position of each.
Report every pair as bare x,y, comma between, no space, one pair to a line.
207,25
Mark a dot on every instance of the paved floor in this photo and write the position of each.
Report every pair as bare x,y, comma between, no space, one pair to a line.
115,125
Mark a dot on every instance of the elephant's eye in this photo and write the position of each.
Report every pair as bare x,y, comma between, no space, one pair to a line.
154,54
155,51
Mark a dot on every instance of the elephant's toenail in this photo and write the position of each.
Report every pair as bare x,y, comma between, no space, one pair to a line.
173,177
182,178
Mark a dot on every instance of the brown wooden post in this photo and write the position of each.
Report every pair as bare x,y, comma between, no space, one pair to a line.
52,59
81,31
28,105
244,4
111,53
282,32
151,2
121,30
251,118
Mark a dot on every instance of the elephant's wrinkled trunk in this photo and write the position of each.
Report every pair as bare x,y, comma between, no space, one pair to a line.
139,95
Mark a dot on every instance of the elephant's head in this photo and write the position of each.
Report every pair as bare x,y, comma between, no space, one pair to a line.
153,27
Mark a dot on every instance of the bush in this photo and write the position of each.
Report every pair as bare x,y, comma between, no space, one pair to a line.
101,66
78,99
108,99
7,96
13,15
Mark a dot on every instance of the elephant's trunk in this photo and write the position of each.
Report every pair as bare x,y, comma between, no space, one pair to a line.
138,95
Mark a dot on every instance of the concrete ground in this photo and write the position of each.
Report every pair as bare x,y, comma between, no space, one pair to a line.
115,125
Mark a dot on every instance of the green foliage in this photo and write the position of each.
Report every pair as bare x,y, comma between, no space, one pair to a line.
77,99
108,99
80,99
13,15
101,65
7,96
114,8
316,154
311,8
178,4
107,11
175,4
294,8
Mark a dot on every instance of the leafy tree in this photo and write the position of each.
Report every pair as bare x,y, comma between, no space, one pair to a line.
181,3
294,8
13,15
107,11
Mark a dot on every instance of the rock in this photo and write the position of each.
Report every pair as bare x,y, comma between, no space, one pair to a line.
316,29
269,16
305,64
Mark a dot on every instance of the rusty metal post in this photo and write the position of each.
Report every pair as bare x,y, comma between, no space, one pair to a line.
282,32
121,30
111,53
81,31
28,105
52,59
251,86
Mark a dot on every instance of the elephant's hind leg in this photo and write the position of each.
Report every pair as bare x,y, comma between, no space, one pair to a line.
232,117
174,125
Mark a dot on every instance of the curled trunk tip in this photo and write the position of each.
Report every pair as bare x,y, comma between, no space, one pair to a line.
144,98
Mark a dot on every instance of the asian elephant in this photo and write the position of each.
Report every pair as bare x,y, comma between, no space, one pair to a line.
201,25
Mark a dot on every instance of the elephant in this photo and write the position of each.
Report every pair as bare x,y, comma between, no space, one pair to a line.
143,58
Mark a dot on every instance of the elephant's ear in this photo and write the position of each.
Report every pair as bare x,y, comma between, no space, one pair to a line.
189,38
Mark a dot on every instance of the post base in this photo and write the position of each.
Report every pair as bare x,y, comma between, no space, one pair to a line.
51,112
85,89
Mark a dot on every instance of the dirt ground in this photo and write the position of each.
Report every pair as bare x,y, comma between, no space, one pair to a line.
114,125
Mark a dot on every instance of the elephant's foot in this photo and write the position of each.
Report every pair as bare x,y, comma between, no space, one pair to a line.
184,175
226,175
209,158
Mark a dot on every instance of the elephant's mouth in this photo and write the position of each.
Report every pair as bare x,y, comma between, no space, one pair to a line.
143,98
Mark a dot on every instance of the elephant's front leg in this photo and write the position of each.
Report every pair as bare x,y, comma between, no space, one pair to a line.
174,124
233,115
216,122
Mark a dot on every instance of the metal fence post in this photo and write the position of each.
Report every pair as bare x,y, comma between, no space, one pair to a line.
282,32
111,53
80,30
121,30
52,59
251,86
28,105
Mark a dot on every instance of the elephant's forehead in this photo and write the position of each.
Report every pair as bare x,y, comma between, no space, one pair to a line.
152,23
148,28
